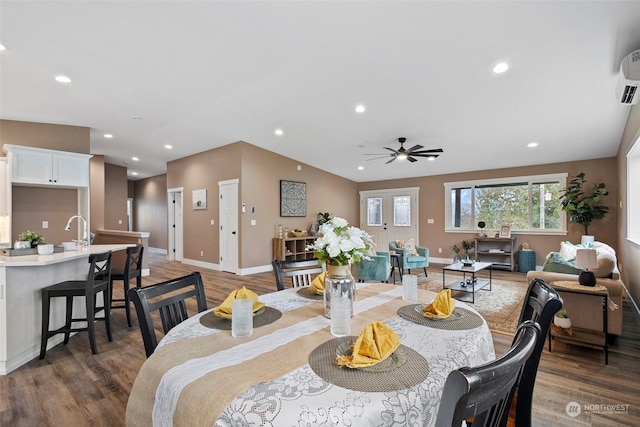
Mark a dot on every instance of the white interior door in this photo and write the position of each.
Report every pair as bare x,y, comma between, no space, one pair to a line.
390,215
175,230
229,233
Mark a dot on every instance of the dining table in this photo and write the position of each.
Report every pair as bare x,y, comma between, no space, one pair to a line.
285,373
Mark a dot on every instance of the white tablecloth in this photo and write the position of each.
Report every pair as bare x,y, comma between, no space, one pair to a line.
298,396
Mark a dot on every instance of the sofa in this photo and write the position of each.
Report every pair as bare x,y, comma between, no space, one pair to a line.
585,309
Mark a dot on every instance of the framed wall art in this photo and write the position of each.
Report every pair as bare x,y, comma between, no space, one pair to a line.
199,199
293,198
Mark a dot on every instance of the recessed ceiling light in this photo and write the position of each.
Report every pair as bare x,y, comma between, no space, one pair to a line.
134,173
501,68
279,132
360,168
360,108
108,135
431,158
532,144
63,79
168,147
2,47
135,159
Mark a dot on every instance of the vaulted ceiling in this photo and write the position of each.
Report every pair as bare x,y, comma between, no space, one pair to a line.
202,74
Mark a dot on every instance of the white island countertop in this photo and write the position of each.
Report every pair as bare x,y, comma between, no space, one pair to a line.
36,260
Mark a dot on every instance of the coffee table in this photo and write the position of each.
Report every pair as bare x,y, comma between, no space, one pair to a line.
470,284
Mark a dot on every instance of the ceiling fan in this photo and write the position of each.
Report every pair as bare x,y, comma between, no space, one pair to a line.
410,154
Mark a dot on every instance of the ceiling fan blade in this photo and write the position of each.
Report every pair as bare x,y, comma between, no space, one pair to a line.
384,156
411,159
392,159
414,148
435,156
436,150
390,149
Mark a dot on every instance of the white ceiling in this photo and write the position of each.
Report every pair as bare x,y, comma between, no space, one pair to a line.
203,74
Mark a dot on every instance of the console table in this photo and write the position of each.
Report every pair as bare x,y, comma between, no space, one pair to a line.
583,336
500,251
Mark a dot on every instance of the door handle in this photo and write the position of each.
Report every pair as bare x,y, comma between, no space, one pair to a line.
233,232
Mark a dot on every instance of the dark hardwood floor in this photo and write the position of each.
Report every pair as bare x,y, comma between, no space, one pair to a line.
72,387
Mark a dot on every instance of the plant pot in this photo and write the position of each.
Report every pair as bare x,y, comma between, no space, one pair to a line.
22,245
562,322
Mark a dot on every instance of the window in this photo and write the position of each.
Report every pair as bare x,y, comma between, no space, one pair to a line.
633,193
374,211
402,211
530,204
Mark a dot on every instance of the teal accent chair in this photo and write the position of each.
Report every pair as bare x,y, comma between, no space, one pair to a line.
407,262
378,268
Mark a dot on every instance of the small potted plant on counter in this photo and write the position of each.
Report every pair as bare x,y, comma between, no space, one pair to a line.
33,238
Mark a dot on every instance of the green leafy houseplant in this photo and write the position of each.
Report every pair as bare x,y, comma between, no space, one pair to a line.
31,236
467,246
583,206
323,217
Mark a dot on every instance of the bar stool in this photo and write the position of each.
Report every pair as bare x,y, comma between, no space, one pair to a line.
132,269
98,280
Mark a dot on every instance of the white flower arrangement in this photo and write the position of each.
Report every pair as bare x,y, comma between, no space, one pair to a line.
339,244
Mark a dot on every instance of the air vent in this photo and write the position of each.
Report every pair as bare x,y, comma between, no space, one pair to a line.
628,94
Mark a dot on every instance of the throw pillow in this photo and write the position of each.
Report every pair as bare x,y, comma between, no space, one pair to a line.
606,264
603,248
558,264
568,250
410,247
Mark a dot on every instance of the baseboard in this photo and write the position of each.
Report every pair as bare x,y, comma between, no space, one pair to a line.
157,250
196,263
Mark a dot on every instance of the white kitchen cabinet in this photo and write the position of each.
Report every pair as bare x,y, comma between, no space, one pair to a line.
37,166
3,187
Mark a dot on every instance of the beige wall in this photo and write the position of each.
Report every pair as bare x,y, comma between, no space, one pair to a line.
628,252
262,171
115,197
150,209
74,139
431,205
97,173
259,172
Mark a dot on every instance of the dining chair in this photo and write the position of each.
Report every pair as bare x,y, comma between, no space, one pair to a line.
301,272
97,282
169,298
484,393
541,303
132,270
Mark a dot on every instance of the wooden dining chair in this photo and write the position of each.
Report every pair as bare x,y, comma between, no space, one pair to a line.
132,270
541,303
483,394
97,282
301,272
169,298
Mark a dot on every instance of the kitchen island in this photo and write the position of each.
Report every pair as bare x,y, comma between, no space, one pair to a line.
21,279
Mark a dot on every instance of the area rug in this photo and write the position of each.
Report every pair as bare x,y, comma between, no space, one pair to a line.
500,306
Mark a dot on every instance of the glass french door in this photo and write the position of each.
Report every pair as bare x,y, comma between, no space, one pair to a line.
389,215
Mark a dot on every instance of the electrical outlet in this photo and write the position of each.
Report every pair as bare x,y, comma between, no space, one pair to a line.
439,250
120,221
430,221
213,222
201,253
45,224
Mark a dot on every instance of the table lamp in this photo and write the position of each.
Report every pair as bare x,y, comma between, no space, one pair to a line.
586,259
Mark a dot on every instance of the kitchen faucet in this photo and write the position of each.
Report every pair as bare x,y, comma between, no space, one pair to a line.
85,241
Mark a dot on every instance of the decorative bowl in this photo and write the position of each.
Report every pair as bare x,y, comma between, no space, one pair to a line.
21,245
45,249
69,246
297,233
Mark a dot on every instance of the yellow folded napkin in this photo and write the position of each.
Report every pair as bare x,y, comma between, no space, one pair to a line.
317,284
441,307
374,344
225,309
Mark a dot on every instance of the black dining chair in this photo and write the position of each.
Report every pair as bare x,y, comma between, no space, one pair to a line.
169,298
483,394
541,303
132,270
301,272
97,281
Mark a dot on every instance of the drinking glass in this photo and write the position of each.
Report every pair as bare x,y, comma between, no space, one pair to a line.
241,317
410,287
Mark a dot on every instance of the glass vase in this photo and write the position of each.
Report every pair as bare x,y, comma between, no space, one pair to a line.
338,284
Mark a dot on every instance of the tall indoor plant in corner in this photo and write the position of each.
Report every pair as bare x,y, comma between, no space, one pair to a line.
581,205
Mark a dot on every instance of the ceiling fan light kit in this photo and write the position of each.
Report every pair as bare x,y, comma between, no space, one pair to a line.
410,154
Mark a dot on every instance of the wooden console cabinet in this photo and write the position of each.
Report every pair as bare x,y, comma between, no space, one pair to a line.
498,250
292,248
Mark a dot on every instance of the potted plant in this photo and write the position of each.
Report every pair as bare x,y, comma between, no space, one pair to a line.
583,206
468,246
481,226
562,319
32,237
456,251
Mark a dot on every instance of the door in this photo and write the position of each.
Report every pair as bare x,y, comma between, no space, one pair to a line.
229,233
390,215
175,224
